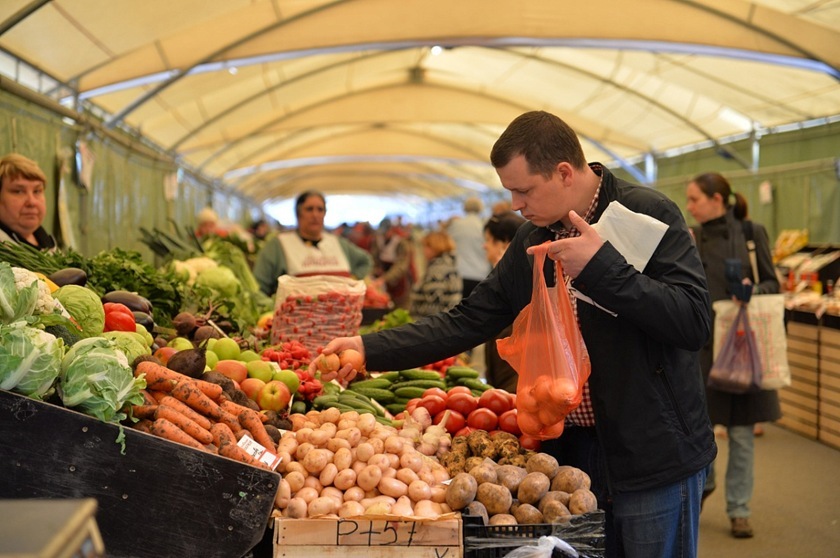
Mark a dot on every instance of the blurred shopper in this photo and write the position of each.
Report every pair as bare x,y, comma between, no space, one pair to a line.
394,263
467,232
207,223
498,234
23,203
501,207
309,249
721,235
440,288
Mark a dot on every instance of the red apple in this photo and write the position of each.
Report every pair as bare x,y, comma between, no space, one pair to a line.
233,369
252,387
164,353
274,396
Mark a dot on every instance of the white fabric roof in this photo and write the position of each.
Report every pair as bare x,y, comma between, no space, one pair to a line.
347,96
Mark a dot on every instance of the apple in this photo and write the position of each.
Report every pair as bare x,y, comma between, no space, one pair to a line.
289,378
260,369
211,358
181,343
252,387
164,353
209,343
248,355
274,396
233,369
226,348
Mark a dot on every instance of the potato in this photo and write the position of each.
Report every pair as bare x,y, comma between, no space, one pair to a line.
502,519
351,508
496,498
582,501
323,505
473,462
510,476
568,479
461,491
297,508
369,477
562,497
543,463
476,508
555,512
484,473
527,514
393,487
533,487
481,444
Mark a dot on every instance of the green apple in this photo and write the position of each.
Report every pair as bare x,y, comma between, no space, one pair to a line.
226,349
259,369
209,343
212,359
248,355
183,344
289,378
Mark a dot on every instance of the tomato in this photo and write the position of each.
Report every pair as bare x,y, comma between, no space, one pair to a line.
411,405
483,419
435,391
529,442
464,403
497,400
117,321
507,422
117,307
433,403
454,422
459,389
466,431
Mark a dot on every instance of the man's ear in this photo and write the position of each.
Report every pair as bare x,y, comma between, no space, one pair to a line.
565,171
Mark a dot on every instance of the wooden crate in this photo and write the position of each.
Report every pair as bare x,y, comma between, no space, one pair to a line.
363,538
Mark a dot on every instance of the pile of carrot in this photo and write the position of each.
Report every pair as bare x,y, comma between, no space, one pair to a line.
197,414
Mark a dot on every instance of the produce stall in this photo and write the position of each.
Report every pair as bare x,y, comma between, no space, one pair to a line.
156,499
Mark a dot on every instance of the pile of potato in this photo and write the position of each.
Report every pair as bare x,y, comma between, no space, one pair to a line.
540,492
350,465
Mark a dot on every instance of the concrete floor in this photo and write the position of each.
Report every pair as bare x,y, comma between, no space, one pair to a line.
795,506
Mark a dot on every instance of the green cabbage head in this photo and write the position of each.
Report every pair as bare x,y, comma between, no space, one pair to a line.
30,359
97,380
221,279
85,307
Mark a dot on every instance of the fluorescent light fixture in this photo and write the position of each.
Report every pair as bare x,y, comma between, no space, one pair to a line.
436,50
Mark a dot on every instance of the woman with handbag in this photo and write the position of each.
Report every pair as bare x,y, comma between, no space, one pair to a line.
723,234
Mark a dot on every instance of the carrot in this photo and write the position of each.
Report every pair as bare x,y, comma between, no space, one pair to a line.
144,425
222,434
231,421
185,410
187,425
159,395
148,398
165,429
211,390
158,377
233,451
144,411
250,421
187,393
235,408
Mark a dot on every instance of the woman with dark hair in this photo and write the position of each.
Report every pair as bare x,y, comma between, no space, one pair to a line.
723,234
309,250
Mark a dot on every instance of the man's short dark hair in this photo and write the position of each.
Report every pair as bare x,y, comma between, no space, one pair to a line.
544,139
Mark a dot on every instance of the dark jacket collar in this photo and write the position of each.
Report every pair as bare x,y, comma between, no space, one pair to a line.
43,238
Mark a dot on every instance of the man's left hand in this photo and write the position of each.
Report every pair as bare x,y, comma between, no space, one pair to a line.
574,253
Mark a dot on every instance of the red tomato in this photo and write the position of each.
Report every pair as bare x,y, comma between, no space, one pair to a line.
464,403
497,400
411,405
117,321
435,391
460,389
507,422
454,423
529,442
483,419
433,403
117,307
466,431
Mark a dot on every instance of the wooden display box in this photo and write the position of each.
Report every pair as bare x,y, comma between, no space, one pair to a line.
363,538
156,499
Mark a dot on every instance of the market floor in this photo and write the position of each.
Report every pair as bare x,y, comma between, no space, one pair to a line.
795,505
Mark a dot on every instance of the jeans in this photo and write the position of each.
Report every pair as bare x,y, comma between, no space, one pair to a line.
739,471
658,523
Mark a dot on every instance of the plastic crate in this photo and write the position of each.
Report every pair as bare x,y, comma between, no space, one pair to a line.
584,533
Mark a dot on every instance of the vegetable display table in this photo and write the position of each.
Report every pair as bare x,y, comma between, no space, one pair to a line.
156,499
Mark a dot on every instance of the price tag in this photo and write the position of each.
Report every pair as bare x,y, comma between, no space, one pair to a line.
259,452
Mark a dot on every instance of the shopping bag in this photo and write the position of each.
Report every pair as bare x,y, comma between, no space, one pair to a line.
737,368
767,320
547,351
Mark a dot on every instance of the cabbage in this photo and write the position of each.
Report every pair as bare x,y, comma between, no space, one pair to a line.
29,359
85,307
220,279
16,301
96,379
129,342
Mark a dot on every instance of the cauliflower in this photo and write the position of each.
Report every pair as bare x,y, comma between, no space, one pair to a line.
189,269
45,304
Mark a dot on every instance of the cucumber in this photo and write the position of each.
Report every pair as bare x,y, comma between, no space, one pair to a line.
379,383
390,376
409,392
474,383
418,374
461,372
395,408
425,384
357,403
324,401
298,407
382,395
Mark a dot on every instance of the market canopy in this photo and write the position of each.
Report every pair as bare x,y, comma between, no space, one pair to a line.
405,98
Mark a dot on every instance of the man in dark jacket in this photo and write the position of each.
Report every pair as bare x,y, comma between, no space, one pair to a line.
645,394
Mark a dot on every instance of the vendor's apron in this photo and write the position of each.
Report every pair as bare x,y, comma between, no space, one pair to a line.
303,259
